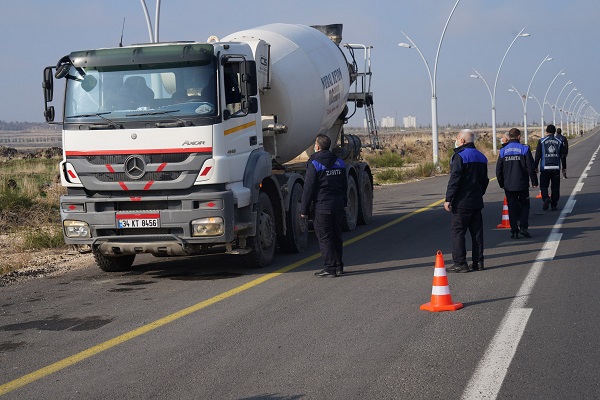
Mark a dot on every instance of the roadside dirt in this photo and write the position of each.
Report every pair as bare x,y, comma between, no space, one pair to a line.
41,263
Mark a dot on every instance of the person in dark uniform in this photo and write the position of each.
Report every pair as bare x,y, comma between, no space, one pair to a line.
548,155
326,187
464,200
514,169
565,150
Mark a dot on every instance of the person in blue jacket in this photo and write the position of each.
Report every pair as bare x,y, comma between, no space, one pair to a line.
464,200
514,170
326,187
548,156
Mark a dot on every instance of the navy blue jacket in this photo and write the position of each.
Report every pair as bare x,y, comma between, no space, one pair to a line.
325,184
468,178
515,167
548,153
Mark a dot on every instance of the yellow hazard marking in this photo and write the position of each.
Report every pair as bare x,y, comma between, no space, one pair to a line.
239,128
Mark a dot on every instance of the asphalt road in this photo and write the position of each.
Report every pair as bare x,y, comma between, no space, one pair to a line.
203,328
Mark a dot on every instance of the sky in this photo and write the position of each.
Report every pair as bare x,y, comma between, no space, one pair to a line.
36,33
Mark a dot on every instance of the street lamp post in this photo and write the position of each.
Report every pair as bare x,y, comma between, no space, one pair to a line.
569,113
579,115
521,97
432,82
532,96
556,104
574,113
563,109
546,95
547,58
493,94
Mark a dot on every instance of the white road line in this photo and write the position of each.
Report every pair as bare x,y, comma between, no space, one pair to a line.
492,368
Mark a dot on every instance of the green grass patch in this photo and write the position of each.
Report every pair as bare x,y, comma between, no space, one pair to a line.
385,159
43,239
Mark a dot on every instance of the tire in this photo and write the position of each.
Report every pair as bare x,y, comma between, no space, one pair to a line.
296,237
263,244
351,218
365,199
113,264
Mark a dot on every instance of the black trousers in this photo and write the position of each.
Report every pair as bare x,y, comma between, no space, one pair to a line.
461,220
518,209
328,228
550,178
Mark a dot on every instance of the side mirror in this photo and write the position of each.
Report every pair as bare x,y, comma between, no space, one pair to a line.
48,84
62,71
49,114
252,105
249,78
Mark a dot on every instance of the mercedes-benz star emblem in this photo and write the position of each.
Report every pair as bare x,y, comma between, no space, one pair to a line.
135,167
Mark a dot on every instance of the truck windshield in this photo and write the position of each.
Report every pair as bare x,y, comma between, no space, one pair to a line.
146,92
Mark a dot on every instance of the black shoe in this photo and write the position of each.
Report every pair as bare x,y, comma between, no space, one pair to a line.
525,233
514,235
554,208
458,268
477,266
325,274
546,204
339,271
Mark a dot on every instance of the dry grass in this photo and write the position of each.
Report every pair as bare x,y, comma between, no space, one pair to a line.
415,153
29,215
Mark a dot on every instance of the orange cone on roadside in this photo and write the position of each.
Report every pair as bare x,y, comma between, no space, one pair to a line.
440,293
505,221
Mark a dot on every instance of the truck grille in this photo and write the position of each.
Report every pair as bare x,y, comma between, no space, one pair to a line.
119,159
148,176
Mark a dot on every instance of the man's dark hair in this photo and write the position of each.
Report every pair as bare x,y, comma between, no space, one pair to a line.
323,141
514,133
558,131
551,129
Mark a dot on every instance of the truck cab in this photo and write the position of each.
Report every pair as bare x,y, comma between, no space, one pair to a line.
155,135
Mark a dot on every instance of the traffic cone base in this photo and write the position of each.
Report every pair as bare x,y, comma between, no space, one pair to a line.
441,300
505,220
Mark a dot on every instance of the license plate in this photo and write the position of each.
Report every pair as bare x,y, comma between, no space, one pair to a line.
127,221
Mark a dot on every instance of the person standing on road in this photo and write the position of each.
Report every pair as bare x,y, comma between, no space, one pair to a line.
464,200
565,151
326,187
514,170
548,155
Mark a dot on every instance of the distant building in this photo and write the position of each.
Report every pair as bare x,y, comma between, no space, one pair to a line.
410,121
388,122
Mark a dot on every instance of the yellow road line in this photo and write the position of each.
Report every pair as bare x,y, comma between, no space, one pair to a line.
66,362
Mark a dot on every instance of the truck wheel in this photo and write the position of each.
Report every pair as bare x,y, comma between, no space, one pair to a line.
365,197
296,237
113,264
349,223
263,244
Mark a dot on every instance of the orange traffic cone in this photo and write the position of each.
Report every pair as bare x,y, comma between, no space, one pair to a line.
440,293
505,221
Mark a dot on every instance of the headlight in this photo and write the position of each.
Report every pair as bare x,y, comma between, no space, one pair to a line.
76,229
207,226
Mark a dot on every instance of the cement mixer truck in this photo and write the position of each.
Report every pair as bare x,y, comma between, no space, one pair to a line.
188,148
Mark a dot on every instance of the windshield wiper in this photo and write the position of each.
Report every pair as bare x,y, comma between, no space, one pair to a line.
180,122
152,113
90,115
110,125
